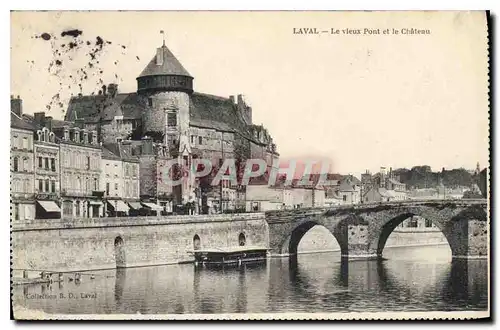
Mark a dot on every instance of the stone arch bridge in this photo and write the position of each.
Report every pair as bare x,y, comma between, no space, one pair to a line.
362,230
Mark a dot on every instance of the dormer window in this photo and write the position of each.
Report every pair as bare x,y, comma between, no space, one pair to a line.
66,134
85,137
94,137
77,136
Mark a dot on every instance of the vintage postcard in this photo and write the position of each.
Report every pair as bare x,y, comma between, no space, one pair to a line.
249,165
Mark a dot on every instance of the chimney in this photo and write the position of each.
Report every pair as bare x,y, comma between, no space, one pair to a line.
231,97
240,100
48,123
79,122
103,89
112,90
39,118
159,56
16,105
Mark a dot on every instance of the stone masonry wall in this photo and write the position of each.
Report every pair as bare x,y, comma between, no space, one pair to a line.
89,244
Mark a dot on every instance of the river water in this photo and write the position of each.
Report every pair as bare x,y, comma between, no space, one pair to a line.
408,279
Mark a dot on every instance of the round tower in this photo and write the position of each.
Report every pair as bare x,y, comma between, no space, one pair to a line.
165,86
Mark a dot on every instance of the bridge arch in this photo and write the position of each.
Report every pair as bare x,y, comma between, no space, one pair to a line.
291,242
454,226
388,227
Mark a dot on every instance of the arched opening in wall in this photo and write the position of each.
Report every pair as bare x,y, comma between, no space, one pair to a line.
318,239
242,239
120,252
308,240
196,242
409,237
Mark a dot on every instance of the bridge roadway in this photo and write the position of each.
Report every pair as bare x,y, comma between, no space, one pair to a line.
361,230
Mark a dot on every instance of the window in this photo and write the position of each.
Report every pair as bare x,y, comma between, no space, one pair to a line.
40,162
200,140
428,223
47,183
16,164
53,164
88,162
96,184
40,185
67,208
27,186
25,143
77,210
25,164
344,198
192,139
46,161
150,102
16,211
107,188
53,184
172,119
116,186
412,223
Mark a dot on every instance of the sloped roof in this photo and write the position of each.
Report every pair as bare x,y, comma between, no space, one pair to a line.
18,122
169,66
216,112
56,123
117,151
351,179
386,193
108,154
394,181
105,107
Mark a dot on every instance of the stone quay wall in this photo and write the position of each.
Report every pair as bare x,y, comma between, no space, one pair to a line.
62,245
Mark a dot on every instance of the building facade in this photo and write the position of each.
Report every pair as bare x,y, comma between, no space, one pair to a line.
47,175
22,174
119,180
80,159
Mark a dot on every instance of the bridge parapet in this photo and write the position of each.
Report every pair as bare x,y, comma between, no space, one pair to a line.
71,223
280,215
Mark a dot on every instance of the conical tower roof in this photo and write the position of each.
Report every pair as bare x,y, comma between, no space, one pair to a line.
164,73
164,63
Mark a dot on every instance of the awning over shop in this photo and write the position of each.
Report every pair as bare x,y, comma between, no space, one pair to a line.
119,206
153,206
91,202
49,206
135,205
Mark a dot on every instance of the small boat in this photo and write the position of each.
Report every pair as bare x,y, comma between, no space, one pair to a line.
230,255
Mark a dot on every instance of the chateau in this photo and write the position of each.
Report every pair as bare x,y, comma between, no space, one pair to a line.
167,119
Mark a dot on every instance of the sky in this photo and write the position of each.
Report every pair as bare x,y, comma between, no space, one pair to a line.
360,101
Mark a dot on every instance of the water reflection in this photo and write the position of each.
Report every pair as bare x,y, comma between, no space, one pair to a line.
309,283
